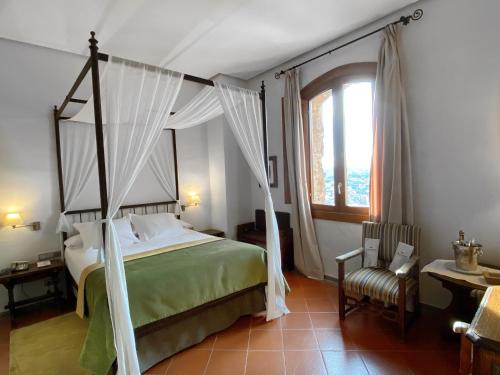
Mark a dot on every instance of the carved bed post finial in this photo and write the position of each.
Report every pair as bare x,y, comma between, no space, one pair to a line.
93,41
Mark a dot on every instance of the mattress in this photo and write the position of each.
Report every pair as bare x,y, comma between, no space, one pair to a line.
77,259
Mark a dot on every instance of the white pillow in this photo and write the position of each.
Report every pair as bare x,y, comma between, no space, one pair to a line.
74,242
124,231
402,255
90,233
151,226
371,252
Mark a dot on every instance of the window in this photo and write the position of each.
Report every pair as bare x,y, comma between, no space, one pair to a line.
338,119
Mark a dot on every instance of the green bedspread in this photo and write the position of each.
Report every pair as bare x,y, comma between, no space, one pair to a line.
166,284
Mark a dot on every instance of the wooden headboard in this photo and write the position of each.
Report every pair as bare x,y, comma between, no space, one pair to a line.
92,214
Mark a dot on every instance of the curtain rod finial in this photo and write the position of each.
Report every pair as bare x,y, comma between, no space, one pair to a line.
277,75
417,14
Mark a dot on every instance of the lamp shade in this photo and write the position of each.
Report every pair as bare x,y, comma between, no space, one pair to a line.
194,199
13,218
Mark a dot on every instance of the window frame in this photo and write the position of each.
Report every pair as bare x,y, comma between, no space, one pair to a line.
333,80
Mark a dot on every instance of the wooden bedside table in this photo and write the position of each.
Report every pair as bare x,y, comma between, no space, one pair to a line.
13,278
213,232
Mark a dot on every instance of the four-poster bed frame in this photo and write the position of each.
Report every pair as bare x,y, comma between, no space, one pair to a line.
92,66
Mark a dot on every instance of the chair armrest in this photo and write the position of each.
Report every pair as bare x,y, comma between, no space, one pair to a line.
351,254
404,270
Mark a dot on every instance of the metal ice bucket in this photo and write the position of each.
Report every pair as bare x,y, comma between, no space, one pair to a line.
466,256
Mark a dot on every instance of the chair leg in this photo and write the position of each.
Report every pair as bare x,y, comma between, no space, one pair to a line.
402,308
417,304
341,291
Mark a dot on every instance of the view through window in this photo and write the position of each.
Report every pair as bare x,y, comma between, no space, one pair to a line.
340,127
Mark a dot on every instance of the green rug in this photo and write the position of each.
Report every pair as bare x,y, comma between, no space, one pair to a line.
49,347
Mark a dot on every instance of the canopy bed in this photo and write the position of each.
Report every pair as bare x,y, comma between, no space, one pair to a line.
183,286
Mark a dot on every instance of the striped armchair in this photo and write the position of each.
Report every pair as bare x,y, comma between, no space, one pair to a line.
379,283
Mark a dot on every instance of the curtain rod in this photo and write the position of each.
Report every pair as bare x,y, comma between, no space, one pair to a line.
417,14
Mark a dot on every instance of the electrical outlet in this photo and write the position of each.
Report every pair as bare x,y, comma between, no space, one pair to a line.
49,255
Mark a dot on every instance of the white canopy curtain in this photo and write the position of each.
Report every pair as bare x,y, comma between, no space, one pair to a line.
202,108
78,160
162,164
243,112
139,101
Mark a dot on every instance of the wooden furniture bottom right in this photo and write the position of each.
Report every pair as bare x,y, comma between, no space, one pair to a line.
480,340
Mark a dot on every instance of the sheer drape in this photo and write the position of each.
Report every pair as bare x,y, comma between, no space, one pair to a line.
391,193
307,257
202,108
78,159
139,101
162,164
242,109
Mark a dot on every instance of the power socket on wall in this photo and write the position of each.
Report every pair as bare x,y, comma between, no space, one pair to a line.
49,255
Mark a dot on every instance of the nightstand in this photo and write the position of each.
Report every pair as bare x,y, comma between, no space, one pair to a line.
213,232
13,278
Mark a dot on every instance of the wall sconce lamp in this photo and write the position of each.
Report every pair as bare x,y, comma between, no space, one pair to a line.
192,201
15,220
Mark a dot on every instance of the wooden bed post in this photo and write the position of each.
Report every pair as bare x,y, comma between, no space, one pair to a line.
101,162
264,124
59,165
174,143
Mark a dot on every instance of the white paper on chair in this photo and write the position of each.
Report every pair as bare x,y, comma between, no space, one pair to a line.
371,252
402,255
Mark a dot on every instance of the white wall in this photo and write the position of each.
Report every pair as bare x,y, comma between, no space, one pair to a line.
32,80
452,61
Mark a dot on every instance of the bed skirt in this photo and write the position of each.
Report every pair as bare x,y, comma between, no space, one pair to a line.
188,331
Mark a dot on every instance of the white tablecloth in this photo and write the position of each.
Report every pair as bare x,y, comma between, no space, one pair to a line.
440,266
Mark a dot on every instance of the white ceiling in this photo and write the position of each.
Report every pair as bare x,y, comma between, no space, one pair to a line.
202,37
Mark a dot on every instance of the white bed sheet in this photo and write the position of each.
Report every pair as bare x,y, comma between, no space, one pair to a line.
78,259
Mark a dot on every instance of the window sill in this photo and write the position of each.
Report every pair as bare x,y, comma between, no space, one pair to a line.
348,217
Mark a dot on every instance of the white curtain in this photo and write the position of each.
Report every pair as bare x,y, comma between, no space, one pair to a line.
305,246
242,109
78,160
202,108
139,101
162,164
391,191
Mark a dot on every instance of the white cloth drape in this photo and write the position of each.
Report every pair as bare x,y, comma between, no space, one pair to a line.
162,164
242,109
391,192
139,101
202,108
78,160
307,257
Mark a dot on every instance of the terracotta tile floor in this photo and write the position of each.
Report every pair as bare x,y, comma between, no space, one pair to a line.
309,341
